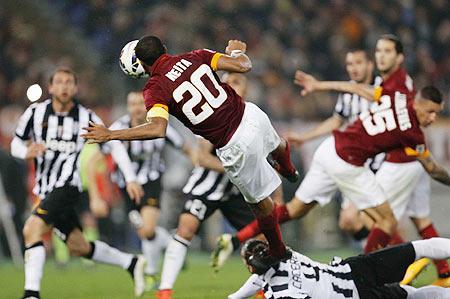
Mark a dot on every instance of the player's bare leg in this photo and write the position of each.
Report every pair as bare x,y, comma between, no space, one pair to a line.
384,227
175,254
33,231
282,161
355,223
426,230
101,252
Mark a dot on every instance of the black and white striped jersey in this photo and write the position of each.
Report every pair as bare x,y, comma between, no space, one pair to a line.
60,132
301,277
146,155
209,184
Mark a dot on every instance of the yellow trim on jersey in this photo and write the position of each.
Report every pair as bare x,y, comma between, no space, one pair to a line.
214,61
41,211
157,112
377,93
162,106
413,153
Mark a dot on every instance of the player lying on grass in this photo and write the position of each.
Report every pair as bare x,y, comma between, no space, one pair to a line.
372,276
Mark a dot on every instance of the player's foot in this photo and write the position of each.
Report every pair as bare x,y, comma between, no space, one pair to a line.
443,281
259,295
414,270
224,248
136,269
151,283
283,164
31,295
164,294
263,263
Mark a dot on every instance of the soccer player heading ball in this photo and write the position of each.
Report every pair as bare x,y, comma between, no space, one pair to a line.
187,87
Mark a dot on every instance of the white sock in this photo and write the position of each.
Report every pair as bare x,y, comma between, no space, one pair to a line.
434,248
428,292
152,249
173,261
34,266
104,253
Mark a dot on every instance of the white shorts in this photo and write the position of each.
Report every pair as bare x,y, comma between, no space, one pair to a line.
407,187
329,172
244,157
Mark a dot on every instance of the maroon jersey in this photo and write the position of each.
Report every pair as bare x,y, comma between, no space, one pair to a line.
389,124
399,80
187,86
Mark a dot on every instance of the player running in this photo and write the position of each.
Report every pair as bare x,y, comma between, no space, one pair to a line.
49,133
187,87
372,276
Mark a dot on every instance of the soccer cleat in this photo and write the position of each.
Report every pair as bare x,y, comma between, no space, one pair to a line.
259,295
224,248
137,272
31,295
442,282
283,165
414,270
164,294
151,283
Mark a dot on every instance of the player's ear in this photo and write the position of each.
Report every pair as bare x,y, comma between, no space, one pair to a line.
400,58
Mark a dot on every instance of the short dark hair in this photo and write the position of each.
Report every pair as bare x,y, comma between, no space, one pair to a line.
431,93
63,70
394,38
360,49
149,49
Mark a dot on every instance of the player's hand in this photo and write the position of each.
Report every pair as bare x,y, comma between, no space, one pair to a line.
235,44
308,82
135,191
35,150
98,207
96,133
294,138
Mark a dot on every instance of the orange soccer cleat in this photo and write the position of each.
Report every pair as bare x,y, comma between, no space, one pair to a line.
164,294
259,295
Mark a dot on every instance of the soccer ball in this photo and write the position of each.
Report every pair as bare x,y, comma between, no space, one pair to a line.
129,63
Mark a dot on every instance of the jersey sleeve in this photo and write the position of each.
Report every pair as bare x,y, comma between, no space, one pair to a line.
339,107
209,57
174,138
156,102
25,125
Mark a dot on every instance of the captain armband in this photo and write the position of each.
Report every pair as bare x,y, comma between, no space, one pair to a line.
158,110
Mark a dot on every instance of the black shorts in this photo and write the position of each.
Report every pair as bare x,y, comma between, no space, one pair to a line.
58,209
377,274
234,209
151,198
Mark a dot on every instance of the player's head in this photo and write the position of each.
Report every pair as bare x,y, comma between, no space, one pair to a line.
148,50
237,81
253,252
427,105
388,53
63,85
359,66
136,105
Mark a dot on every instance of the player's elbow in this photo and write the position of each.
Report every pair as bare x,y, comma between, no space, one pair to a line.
245,65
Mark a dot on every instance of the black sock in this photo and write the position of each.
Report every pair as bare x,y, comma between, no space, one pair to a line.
91,252
130,268
29,293
361,234
444,275
236,243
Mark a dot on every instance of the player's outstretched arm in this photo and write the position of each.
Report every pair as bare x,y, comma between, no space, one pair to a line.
311,84
235,61
155,128
326,127
208,160
437,172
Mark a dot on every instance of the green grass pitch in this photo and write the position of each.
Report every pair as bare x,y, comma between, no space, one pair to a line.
197,281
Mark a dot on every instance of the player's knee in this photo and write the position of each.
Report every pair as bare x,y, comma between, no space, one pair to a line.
346,223
32,230
146,232
78,248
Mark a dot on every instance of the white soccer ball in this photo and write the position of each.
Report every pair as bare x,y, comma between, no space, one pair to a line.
129,63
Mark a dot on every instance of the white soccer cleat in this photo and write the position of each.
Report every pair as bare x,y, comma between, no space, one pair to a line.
139,276
224,248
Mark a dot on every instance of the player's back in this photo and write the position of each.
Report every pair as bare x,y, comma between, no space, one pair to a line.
189,88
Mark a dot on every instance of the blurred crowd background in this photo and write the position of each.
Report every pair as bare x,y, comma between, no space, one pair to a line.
282,36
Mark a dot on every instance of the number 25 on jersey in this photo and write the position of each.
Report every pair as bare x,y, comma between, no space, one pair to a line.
198,90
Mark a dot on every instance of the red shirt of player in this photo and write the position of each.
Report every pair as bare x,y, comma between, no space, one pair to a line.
389,124
187,86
